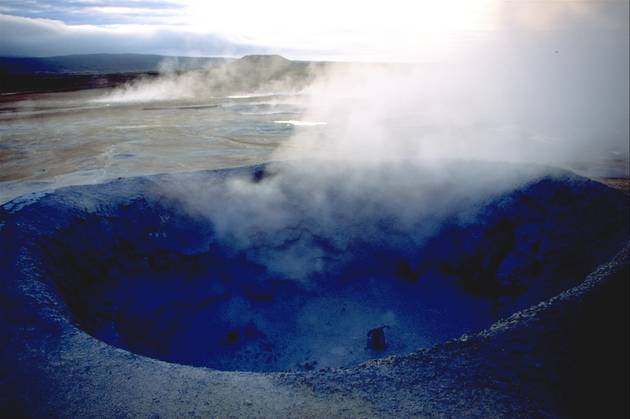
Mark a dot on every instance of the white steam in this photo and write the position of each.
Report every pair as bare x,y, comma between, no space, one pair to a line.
169,86
307,218
528,106
250,77
388,164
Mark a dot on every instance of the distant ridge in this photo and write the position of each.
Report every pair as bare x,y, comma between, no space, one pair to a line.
99,63
27,75
265,58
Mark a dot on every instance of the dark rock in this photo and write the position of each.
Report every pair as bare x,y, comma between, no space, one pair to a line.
376,339
308,366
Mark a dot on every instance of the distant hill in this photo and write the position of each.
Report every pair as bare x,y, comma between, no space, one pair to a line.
99,64
251,72
26,75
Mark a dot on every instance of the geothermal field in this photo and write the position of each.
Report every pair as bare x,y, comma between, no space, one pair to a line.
258,236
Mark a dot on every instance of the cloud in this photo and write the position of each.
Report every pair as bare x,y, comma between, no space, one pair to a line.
95,12
24,36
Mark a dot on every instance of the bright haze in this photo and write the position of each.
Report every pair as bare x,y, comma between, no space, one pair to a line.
394,30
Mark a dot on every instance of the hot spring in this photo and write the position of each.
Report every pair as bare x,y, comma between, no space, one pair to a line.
306,266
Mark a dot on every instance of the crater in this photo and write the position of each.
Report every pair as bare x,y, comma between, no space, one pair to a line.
251,270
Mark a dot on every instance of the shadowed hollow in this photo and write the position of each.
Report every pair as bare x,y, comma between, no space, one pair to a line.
249,270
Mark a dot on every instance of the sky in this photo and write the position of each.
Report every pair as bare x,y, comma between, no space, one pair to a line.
392,30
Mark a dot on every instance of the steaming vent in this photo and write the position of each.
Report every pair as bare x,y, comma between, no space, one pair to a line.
253,270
